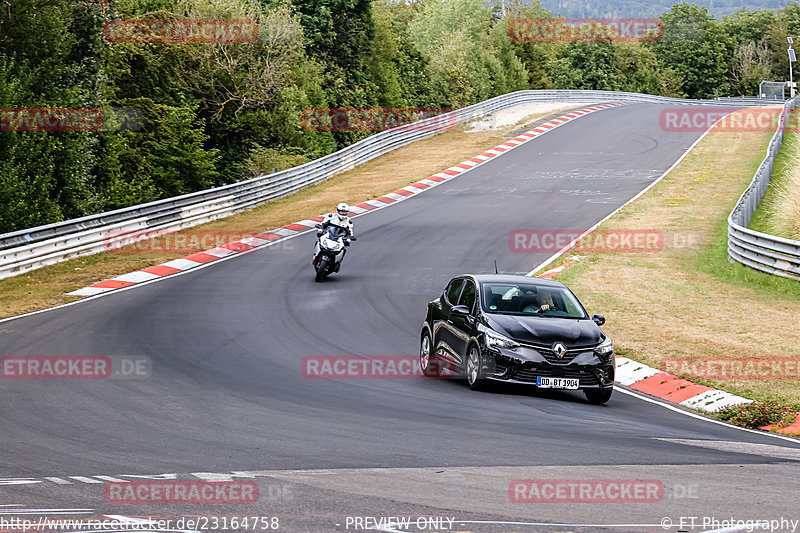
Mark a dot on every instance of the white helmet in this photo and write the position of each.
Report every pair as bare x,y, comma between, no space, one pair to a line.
343,209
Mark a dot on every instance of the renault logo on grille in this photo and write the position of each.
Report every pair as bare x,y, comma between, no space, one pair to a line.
559,349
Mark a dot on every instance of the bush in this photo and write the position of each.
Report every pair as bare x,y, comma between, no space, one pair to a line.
757,414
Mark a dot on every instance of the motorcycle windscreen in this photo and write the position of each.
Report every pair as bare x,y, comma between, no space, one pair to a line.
335,232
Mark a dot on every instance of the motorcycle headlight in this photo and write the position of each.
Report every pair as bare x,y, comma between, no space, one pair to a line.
330,244
605,349
495,340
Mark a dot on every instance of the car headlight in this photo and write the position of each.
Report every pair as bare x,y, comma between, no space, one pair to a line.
495,340
605,349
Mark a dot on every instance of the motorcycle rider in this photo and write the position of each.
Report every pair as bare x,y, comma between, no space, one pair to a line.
340,218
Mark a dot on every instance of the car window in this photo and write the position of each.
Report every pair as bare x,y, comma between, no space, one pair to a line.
571,306
453,290
468,295
532,300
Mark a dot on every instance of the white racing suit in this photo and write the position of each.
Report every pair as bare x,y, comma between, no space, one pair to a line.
332,219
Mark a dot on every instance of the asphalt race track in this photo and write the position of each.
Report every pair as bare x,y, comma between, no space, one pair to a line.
226,391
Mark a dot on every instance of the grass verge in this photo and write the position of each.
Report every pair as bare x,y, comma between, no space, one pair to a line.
686,301
779,210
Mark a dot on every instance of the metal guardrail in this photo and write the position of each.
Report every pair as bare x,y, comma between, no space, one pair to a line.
24,250
761,251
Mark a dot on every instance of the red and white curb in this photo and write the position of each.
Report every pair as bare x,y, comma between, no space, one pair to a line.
548,274
654,382
269,237
649,380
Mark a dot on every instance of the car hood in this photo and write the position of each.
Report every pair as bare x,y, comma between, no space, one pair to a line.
538,330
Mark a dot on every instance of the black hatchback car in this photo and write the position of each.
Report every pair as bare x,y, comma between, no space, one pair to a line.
517,329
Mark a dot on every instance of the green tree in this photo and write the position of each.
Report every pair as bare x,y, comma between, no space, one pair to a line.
167,157
50,56
468,58
695,46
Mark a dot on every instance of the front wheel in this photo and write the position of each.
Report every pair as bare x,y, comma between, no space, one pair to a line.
322,267
474,369
598,396
430,366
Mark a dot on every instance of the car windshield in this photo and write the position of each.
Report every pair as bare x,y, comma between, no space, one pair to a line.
530,300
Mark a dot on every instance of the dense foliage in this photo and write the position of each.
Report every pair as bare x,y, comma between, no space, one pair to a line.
650,8
210,114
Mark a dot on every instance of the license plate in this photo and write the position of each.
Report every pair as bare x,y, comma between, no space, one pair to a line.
557,383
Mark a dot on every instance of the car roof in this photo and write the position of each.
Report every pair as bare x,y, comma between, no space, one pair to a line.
513,278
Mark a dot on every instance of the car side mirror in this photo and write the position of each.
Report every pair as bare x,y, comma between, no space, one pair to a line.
318,225
460,310
599,319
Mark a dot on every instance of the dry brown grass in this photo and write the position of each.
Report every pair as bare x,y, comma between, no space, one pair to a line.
783,213
662,305
48,286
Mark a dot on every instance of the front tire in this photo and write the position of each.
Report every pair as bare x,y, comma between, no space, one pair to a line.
474,369
430,366
598,396
322,266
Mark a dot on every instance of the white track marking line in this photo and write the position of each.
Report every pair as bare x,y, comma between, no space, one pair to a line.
59,481
388,528
729,446
735,529
84,479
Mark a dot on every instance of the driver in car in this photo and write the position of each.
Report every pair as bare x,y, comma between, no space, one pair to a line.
543,303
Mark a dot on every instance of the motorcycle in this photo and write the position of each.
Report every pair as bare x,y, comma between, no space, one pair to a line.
329,250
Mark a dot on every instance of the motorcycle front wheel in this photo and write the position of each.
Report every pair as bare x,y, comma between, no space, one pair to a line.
322,268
